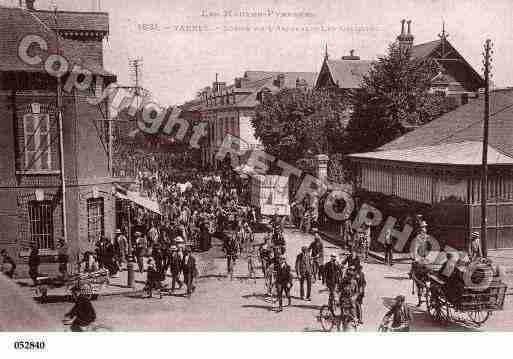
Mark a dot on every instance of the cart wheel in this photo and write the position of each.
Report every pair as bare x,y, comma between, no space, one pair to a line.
326,318
478,317
435,308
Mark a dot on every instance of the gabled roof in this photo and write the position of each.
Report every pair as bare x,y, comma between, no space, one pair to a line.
421,51
16,23
73,20
466,153
348,74
465,123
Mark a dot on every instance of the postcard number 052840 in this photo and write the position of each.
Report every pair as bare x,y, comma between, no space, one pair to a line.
29,345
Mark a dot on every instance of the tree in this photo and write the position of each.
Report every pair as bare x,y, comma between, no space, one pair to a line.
393,99
294,123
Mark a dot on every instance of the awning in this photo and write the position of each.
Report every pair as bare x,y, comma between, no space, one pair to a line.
141,201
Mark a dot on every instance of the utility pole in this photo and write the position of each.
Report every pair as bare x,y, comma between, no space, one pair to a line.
61,141
484,170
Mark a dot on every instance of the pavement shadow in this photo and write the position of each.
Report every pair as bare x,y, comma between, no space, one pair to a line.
306,306
255,306
313,330
24,284
261,296
423,322
51,299
397,277
388,302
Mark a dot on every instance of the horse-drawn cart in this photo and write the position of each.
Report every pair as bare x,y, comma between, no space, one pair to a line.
89,284
469,295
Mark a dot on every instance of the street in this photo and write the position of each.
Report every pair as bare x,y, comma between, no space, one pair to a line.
219,304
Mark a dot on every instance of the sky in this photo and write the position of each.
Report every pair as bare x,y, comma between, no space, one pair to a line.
180,60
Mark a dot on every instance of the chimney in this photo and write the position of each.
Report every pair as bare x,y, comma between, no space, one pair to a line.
280,81
405,40
351,56
30,4
301,84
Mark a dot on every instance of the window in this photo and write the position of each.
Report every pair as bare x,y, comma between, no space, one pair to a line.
38,153
95,219
41,224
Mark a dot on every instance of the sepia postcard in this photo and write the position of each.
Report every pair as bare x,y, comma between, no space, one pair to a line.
255,166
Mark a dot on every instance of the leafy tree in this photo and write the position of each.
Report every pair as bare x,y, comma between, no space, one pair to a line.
393,99
295,123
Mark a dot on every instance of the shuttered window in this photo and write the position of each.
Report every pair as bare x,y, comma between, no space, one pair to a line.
37,151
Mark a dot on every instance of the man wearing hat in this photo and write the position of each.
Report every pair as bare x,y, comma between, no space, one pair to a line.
304,272
122,243
283,281
175,267
140,249
189,271
317,254
421,242
332,274
475,246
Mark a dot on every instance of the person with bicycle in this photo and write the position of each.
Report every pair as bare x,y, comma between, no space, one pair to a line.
398,318
361,283
251,257
349,293
231,250
283,281
82,313
317,254
332,275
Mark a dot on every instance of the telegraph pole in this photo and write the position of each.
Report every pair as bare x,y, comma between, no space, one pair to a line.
484,170
61,140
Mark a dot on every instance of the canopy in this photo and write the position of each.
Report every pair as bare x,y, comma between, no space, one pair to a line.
141,201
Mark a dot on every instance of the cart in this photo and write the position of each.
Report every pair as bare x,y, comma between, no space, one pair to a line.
450,299
89,284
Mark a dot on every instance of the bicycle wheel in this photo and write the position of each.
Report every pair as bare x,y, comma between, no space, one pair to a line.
326,318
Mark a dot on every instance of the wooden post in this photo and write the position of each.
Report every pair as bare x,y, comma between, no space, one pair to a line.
484,169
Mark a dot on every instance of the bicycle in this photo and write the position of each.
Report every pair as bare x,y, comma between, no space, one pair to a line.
338,314
316,268
386,326
93,327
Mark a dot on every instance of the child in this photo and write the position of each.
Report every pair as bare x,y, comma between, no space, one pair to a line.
152,278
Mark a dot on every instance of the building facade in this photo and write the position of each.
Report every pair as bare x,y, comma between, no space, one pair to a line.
31,210
230,109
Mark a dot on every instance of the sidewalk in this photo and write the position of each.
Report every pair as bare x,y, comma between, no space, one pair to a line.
335,239
117,286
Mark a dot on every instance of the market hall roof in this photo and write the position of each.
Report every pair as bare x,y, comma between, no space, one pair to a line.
466,153
16,23
465,123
